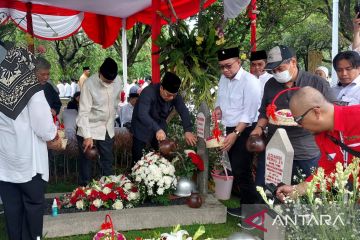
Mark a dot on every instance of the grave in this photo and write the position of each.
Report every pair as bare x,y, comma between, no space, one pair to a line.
279,158
278,168
211,212
203,132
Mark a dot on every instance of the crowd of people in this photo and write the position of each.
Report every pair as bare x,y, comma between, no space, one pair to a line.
326,120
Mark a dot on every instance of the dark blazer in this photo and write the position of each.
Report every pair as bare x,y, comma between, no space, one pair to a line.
150,113
52,97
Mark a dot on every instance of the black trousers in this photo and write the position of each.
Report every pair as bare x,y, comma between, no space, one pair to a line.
241,164
139,146
106,159
24,205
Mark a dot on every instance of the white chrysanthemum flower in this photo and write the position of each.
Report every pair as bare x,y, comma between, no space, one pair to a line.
97,203
133,196
118,204
128,186
80,204
106,190
88,192
160,191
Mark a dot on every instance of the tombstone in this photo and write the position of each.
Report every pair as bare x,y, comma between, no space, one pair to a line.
278,168
279,158
203,132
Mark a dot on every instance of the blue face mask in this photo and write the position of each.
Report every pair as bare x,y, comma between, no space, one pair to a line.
282,77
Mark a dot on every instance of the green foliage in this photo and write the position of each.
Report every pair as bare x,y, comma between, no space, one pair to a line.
193,57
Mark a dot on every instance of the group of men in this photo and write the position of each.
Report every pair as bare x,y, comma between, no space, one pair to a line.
241,103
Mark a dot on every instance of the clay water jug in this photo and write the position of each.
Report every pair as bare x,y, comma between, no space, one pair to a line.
92,153
255,143
194,201
167,147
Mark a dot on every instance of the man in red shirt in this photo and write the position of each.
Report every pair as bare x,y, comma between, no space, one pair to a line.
314,113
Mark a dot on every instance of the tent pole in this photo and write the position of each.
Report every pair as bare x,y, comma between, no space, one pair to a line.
124,51
155,32
29,27
252,17
335,38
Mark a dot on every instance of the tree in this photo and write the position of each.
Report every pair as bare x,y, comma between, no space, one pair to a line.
68,49
136,38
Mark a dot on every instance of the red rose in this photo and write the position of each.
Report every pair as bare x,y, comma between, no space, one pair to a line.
197,161
79,193
134,189
103,196
112,196
122,193
110,185
73,200
94,194
93,208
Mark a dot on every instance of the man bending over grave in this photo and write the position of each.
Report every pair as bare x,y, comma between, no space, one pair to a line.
151,111
282,63
335,128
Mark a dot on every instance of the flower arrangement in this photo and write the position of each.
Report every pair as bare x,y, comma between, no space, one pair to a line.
155,176
330,197
110,192
107,231
179,234
186,167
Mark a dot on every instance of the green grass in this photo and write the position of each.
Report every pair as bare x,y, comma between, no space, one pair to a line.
212,230
61,187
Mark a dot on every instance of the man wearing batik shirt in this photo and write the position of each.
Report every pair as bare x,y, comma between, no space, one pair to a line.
238,99
26,130
331,124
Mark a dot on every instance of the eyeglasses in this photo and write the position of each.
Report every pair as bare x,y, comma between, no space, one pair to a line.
227,66
300,118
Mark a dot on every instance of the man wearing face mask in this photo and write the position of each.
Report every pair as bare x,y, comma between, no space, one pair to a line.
98,103
238,99
282,63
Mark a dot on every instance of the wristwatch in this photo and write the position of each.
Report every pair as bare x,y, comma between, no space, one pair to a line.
237,132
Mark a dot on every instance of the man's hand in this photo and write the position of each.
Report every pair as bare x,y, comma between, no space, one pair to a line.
190,138
53,112
229,141
88,144
55,144
257,131
217,113
160,135
293,192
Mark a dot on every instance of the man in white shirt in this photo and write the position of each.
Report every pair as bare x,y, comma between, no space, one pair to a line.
74,87
61,88
84,76
67,90
125,114
25,128
347,67
98,102
257,67
237,103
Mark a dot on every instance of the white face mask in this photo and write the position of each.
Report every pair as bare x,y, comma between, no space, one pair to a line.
282,77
